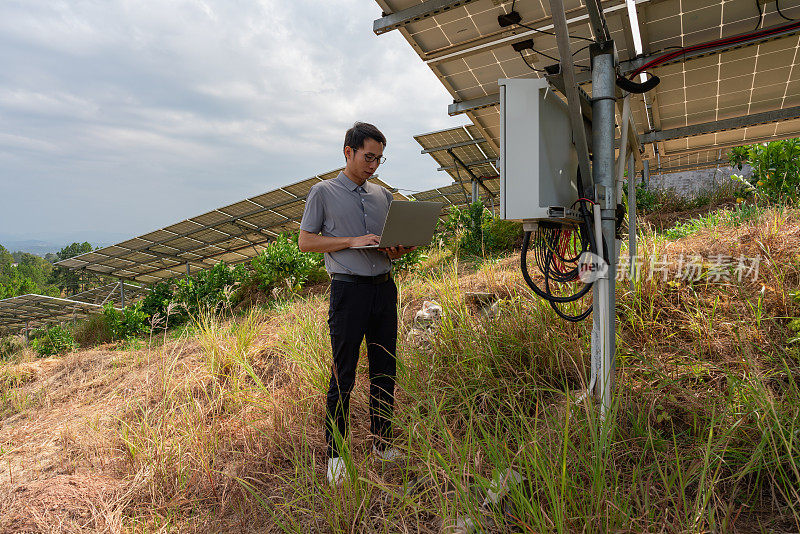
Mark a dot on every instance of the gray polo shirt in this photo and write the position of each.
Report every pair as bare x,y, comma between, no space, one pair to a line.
340,208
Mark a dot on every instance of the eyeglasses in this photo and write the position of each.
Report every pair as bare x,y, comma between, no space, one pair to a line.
370,157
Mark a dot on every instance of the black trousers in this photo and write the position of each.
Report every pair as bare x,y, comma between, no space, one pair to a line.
359,310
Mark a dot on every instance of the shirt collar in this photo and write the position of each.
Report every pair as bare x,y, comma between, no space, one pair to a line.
348,183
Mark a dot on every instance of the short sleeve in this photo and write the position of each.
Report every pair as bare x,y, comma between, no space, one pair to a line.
314,213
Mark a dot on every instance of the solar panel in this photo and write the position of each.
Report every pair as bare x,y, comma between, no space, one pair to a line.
455,194
233,234
712,91
462,153
17,313
111,293
456,148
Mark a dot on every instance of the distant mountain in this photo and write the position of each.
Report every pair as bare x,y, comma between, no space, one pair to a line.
31,246
42,244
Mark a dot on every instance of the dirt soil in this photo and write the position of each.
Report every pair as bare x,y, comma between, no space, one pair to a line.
58,465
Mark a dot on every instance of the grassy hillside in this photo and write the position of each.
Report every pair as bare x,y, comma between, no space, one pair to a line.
216,427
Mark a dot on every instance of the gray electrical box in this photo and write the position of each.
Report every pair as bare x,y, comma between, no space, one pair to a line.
538,162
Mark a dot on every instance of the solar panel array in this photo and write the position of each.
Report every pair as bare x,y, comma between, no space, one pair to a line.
462,153
735,94
455,195
17,313
110,293
231,234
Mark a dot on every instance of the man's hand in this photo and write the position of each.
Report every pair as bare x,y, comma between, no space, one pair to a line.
396,252
365,240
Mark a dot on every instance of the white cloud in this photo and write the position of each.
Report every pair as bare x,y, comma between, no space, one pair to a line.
210,101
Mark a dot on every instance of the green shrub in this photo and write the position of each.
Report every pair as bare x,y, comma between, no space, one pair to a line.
52,340
500,235
159,303
473,230
283,264
647,200
410,261
210,290
9,345
125,324
776,167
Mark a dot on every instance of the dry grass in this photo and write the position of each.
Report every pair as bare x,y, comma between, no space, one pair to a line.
221,432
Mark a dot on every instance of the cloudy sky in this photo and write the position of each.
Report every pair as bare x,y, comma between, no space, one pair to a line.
118,117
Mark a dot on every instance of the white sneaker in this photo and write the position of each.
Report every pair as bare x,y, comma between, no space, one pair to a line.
337,471
389,454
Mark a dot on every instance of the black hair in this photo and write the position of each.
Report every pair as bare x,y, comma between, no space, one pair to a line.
355,136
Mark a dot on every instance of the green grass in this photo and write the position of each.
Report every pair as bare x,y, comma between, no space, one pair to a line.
724,217
703,435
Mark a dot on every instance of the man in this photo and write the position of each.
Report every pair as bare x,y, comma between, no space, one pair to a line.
349,212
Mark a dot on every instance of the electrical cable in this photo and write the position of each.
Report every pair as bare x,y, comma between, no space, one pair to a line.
534,69
767,32
548,57
778,7
581,49
553,33
557,250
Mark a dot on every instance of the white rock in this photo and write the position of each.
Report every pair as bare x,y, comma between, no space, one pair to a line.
429,314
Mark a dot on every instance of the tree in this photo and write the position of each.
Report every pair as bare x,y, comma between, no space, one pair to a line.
6,259
68,280
776,167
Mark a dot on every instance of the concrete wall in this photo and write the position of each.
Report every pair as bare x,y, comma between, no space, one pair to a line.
689,183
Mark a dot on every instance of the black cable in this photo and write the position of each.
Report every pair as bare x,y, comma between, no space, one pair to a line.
528,64
760,15
778,7
548,57
552,33
570,318
581,49
545,294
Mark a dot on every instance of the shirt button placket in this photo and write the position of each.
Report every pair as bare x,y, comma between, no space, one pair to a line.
361,192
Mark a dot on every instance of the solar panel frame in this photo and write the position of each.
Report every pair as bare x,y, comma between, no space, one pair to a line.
33,311
234,233
111,293
479,156
758,77
455,195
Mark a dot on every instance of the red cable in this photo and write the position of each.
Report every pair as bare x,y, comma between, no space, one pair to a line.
702,46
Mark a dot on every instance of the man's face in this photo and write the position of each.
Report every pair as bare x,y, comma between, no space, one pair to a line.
357,165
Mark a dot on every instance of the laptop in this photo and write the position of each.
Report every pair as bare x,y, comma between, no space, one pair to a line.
408,224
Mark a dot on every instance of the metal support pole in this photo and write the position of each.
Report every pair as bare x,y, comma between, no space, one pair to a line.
458,161
572,91
122,293
603,91
188,273
646,172
632,220
474,191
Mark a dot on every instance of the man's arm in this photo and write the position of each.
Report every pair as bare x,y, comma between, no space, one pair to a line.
309,242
